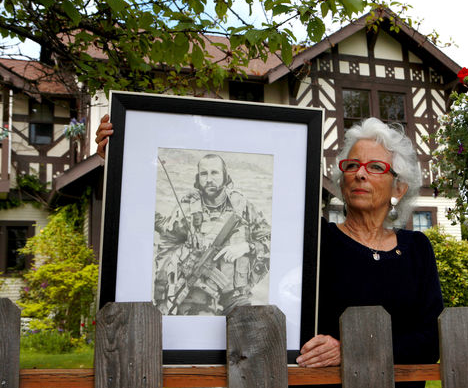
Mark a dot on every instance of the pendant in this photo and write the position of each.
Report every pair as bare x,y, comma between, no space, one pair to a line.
376,256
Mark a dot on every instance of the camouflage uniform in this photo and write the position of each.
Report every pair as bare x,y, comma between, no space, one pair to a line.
182,241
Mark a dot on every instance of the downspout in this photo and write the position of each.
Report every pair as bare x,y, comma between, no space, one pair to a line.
10,128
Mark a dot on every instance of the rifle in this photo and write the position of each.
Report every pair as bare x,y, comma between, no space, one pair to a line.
205,265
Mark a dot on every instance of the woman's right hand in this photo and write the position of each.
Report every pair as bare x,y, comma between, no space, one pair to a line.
102,135
320,351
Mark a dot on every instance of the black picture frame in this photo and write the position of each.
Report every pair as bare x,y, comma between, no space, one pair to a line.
123,104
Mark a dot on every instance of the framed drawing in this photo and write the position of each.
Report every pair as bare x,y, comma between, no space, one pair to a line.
209,205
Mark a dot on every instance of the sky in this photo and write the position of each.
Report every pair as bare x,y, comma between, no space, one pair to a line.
447,17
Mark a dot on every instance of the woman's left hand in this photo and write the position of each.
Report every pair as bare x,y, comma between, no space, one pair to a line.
322,350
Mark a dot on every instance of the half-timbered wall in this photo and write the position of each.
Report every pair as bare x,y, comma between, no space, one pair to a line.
43,160
378,64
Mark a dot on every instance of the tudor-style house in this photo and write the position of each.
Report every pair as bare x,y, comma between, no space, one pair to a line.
354,73
34,108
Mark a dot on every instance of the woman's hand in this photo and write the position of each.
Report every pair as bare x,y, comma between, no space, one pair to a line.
322,350
102,135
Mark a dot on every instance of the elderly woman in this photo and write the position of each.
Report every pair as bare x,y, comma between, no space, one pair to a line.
364,261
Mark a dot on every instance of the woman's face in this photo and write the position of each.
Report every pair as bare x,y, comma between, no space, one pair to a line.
365,192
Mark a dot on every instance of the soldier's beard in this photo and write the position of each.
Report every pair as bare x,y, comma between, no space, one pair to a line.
214,195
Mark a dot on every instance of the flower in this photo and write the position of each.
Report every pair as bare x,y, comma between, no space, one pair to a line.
462,74
82,324
94,322
460,147
44,285
75,128
26,289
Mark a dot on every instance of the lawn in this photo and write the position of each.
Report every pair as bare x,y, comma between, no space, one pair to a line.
80,358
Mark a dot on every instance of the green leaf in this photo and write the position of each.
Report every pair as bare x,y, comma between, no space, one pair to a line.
117,5
352,6
47,3
316,29
197,56
221,8
71,11
286,50
324,8
281,9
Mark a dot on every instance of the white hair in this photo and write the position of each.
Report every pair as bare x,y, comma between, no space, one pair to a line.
404,159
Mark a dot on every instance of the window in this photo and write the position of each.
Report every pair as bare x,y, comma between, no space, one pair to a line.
392,107
13,235
422,220
41,122
356,106
246,91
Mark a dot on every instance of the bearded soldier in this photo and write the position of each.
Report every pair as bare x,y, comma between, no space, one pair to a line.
212,249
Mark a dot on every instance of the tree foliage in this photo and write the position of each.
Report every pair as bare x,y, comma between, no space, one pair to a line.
135,37
451,158
61,287
452,264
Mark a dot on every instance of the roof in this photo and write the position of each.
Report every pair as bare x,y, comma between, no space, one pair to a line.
33,77
407,35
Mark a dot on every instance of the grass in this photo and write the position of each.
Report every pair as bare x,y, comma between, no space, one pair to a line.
78,359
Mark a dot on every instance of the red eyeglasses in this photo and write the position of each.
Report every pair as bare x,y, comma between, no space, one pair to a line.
372,167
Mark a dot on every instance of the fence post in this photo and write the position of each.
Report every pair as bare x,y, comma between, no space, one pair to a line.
453,339
256,347
366,348
10,324
128,350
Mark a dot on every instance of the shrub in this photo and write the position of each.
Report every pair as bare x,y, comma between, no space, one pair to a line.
61,287
452,264
47,341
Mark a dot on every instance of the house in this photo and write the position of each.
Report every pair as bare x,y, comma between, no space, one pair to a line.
35,106
354,73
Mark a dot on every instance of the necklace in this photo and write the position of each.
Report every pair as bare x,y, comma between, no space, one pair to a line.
375,253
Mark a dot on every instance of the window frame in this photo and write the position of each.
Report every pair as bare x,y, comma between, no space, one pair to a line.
47,123
4,243
432,210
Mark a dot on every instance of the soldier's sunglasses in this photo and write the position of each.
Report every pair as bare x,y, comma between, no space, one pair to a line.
372,167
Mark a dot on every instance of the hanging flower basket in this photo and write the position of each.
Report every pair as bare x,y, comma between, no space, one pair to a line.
76,129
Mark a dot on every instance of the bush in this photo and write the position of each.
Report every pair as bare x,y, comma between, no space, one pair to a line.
48,341
452,264
61,287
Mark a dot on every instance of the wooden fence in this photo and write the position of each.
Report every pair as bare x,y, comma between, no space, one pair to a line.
128,353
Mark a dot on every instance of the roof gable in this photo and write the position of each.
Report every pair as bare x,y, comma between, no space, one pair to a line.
416,42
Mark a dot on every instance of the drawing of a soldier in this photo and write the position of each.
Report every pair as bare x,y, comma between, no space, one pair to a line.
203,218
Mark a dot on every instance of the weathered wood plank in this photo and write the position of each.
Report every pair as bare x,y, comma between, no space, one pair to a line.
211,376
366,348
453,339
128,350
10,325
256,347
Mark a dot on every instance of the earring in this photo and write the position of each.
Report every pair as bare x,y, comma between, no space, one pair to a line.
393,214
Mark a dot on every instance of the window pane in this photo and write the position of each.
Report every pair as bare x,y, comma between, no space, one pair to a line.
40,133
41,113
16,236
422,220
392,106
356,104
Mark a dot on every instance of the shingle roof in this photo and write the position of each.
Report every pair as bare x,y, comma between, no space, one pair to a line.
31,76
